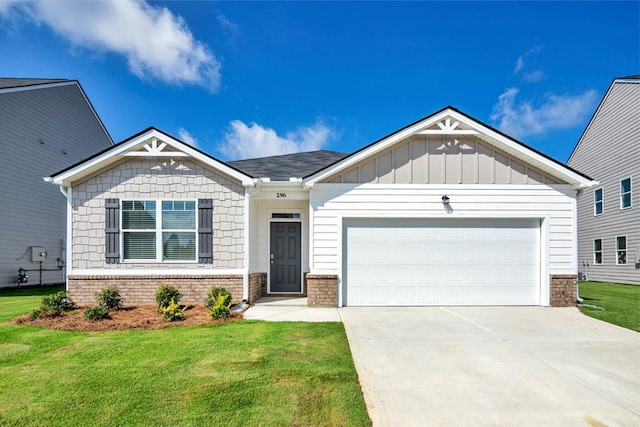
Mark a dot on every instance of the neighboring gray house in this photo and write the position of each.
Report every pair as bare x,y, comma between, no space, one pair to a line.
609,213
44,125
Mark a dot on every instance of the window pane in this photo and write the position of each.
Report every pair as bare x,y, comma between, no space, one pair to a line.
138,215
178,215
625,185
179,246
597,245
598,258
626,200
621,242
139,245
598,195
598,208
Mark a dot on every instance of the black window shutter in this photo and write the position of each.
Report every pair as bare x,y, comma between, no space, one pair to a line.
112,231
205,231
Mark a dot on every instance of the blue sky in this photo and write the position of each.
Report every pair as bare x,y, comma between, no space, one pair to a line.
244,79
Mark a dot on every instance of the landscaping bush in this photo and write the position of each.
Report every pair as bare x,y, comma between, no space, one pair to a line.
173,311
219,301
96,313
165,295
53,305
109,298
212,296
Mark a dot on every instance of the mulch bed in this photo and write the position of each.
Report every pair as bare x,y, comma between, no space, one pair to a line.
139,317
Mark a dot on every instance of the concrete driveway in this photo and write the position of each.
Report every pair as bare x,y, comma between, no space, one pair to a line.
498,366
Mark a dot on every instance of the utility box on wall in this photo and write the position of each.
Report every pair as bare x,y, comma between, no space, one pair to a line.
38,254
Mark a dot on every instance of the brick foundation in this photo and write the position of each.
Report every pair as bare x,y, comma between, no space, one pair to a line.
322,290
257,286
141,290
563,289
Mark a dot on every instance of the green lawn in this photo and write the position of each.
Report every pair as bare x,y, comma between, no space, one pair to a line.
238,373
621,303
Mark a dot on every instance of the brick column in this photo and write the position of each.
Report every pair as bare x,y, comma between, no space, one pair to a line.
563,290
322,290
257,286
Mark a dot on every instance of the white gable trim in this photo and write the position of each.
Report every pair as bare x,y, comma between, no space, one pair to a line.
148,141
442,120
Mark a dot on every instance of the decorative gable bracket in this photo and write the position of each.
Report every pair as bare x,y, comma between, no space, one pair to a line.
445,127
155,150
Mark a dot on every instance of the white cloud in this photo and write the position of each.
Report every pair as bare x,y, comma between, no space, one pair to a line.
226,24
243,141
155,42
522,118
527,67
187,137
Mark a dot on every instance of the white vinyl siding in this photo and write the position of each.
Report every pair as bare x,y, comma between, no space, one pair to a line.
150,234
597,251
625,193
331,202
621,250
598,202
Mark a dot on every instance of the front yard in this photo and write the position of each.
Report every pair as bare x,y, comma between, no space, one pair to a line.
235,373
621,303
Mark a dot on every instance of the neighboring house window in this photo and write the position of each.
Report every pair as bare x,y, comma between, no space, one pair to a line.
625,193
597,251
598,205
621,250
165,235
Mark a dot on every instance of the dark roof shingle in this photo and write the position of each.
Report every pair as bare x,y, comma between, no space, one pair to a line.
283,167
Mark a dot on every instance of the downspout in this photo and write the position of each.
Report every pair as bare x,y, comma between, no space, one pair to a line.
68,193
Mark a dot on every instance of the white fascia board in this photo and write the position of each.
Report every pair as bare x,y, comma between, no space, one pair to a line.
375,148
528,155
118,152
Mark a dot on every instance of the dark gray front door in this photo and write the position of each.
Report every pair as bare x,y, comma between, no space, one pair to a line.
285,257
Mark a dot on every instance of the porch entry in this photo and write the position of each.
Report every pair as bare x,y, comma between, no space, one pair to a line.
285,257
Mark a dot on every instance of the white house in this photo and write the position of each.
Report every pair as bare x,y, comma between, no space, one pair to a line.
445,211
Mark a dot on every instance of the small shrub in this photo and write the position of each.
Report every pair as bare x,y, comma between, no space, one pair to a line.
173,311
109,298
53,305
219,301
96,313
165,295
212,297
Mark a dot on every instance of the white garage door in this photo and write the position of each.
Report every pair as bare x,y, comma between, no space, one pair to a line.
441,262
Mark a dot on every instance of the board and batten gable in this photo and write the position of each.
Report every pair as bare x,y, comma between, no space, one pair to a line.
44,127
609,151
439,159
157,179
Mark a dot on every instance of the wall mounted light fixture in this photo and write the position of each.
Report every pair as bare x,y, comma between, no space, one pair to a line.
445,200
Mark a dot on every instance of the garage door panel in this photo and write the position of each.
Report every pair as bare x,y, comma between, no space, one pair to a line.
441,262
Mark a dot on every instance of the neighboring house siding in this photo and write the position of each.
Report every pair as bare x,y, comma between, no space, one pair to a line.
437,159
609,151
330,202
41,130
157,178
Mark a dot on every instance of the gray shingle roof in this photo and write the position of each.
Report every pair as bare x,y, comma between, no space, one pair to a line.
281,168
10,82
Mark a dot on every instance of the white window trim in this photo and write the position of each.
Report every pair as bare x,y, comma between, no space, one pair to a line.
595,213
158,230
626,250
630,193
593,249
